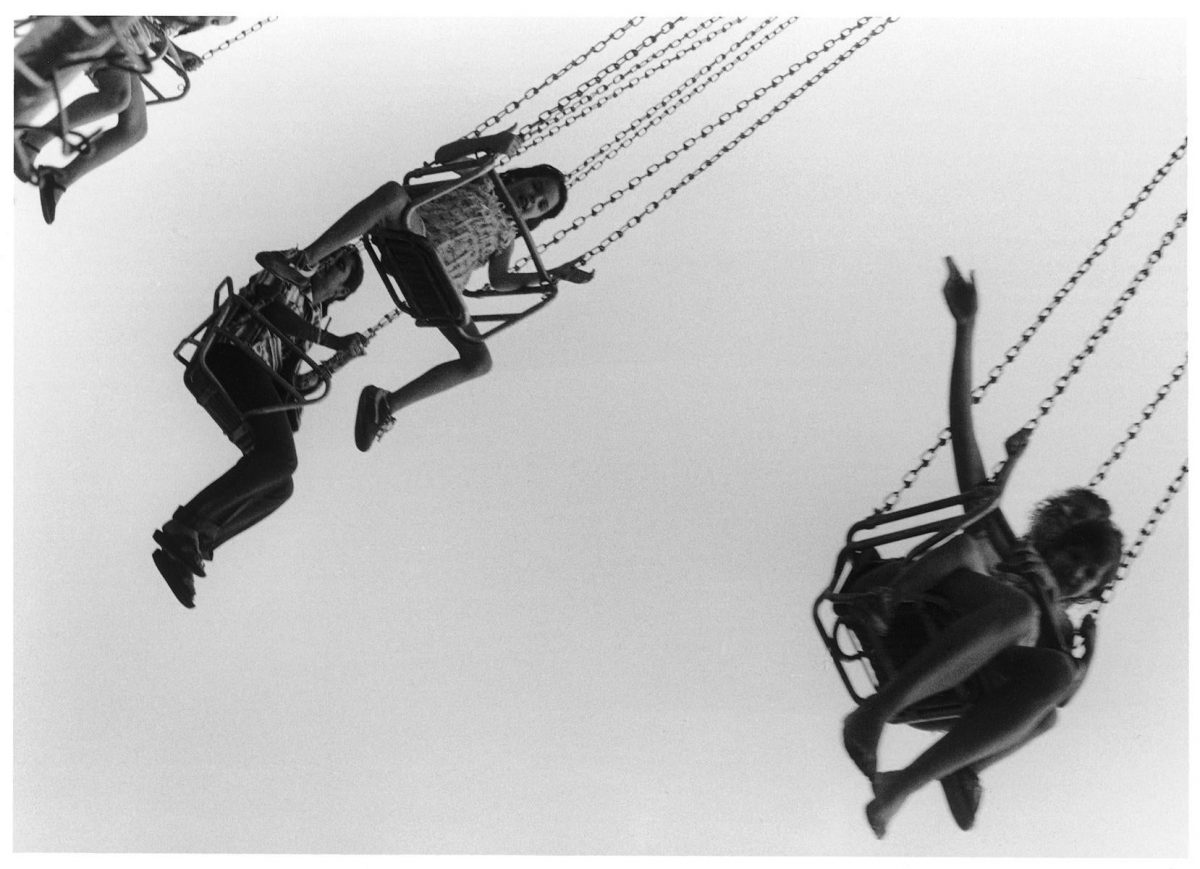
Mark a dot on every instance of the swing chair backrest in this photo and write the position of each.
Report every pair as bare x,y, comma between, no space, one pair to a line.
416,278
231,311
868,654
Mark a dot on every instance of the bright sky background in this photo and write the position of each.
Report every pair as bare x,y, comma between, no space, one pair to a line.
565,608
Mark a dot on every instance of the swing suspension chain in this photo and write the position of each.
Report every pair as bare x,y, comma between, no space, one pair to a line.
679,96
339,359
979,391
627,80
708,129
1130,555
1135,428
256,26
1089,347
555,76
575,103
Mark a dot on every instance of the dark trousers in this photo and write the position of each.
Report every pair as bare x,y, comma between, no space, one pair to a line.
259,483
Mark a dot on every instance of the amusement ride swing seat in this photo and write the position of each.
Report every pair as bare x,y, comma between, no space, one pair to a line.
231,312
885,630
406,261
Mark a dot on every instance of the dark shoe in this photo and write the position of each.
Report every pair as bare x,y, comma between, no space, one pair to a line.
181,546
178,577
963,793
50,190
374,418
285,265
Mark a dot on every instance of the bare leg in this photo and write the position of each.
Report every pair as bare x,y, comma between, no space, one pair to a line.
474,361
384,204
998,724
996,617
113,95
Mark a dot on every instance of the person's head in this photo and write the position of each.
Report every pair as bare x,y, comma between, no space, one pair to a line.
540,192
337,277
1075,535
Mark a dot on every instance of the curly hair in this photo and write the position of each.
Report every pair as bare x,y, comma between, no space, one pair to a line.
1080,521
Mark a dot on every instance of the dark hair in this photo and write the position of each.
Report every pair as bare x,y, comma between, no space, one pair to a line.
1077,520
542,170
353,280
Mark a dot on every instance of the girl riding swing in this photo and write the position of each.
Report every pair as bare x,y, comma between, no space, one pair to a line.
469,228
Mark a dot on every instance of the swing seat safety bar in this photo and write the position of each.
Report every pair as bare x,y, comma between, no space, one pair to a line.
230,312
866,652
415,277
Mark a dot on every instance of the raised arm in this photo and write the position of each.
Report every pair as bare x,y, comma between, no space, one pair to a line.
963,302
290,323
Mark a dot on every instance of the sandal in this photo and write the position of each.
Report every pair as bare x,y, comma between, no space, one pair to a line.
285,265
963,793
374,419
50,190
178,577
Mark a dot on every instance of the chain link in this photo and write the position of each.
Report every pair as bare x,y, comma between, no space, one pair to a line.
626,80
256,26
576,103
706,131
1135,428
555,76
977,394
676,98
1131,554
1089,346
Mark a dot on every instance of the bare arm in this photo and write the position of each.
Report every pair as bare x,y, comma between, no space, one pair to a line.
292,324
963,302
502,279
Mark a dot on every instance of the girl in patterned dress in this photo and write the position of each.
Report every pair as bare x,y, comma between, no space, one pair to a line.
261,481
470,229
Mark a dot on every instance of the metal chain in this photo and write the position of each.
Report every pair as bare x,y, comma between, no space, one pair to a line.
709,129
626,80
1089,346
339,359
977,394
676,98
1135,428
1131,554
555,76
256,26
576,101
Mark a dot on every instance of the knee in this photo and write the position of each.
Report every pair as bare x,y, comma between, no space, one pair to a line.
116,93
276,465
476,360
1017,614
391,194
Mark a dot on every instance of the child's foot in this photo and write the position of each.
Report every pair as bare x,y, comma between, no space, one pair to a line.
963,793
374,417
178,577
860,736
51,189
888,800
287,265
23,156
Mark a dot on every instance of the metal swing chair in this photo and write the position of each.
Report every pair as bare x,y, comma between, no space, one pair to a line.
415,277
232,311
868,648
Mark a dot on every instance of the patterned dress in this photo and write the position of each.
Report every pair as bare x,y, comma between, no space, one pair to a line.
467,227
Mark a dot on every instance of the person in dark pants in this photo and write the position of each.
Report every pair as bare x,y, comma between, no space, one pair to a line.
261,480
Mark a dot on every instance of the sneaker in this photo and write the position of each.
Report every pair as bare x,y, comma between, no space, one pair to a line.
178,577
182,543
285,265
374,418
